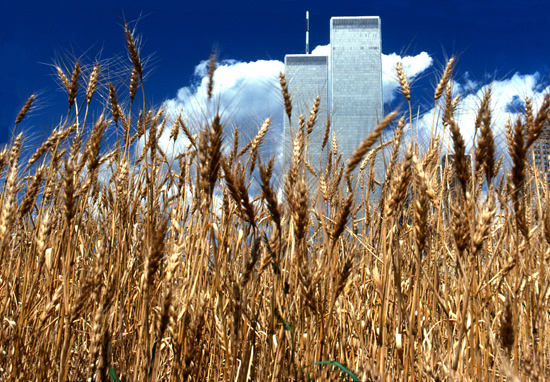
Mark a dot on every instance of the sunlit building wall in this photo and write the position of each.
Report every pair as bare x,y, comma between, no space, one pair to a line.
356,79
541,153
307,78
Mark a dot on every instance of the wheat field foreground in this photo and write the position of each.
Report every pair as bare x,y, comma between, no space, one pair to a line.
122,261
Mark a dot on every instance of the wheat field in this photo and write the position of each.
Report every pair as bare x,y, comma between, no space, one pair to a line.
123,262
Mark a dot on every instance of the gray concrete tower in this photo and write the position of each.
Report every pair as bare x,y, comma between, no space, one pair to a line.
356,79
307,77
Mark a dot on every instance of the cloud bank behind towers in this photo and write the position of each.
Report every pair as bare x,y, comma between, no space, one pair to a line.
246,93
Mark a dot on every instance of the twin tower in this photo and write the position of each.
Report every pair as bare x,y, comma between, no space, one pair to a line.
348,81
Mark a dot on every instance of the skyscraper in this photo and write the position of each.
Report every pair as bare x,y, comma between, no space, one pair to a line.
349,82
356,79
541,153
307,78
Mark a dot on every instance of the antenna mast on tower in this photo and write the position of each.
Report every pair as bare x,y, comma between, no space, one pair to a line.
307,32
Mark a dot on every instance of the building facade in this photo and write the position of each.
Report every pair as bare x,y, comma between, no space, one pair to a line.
541,153
356,79
308,78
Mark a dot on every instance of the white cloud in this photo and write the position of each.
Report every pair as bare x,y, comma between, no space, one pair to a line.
412,65
321,50
507,102
242,91
248,92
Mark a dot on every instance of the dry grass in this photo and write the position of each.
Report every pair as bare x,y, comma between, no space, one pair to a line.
126,262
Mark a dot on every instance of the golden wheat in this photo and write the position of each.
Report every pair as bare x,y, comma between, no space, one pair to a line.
134,260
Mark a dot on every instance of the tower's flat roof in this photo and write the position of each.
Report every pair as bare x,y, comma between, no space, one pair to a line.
305,55
355,22
305,59
355,17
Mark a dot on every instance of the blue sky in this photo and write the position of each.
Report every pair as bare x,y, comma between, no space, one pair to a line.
500,42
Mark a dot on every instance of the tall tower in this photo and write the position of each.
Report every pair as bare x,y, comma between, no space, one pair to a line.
307,77
356,79
541,153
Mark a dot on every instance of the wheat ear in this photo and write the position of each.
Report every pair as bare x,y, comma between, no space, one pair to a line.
444,79
23,112
403,81
286,95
